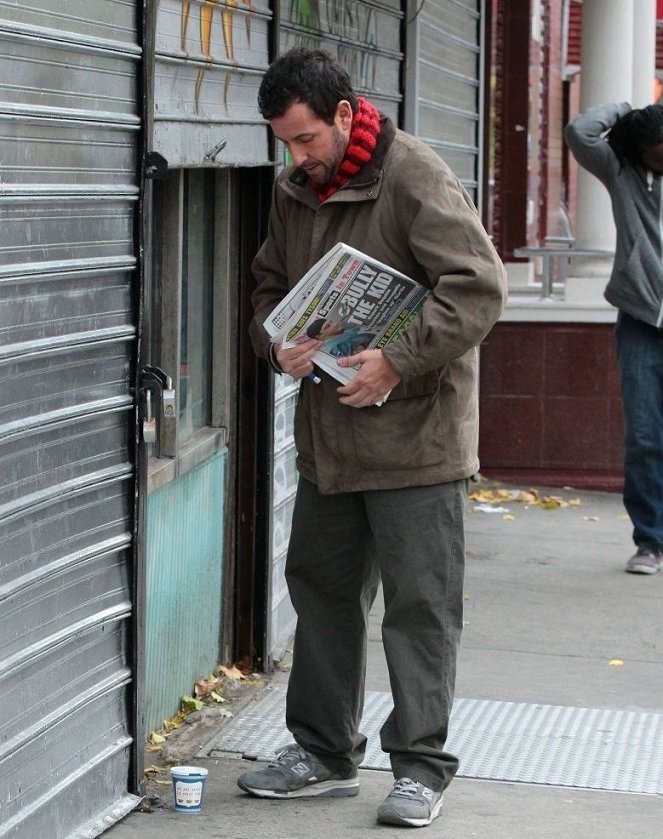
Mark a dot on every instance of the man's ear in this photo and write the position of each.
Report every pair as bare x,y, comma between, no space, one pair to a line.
344,114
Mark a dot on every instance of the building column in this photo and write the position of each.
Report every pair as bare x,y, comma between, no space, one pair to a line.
617,65
644,52
606,76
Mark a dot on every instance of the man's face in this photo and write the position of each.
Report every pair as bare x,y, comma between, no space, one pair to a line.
314,145
329,328
652,157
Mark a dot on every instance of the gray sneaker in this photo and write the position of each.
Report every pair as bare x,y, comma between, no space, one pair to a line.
296,773
411,803
646,561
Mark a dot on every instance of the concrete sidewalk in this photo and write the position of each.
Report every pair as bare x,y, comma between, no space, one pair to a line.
553,625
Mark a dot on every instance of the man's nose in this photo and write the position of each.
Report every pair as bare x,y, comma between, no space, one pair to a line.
297,154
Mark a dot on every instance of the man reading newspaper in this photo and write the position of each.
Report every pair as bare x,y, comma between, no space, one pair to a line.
381,489
349,301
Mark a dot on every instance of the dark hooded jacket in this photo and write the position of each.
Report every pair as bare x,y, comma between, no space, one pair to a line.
636,280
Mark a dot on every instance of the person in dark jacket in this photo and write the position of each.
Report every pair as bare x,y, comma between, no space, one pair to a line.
381,490
623,148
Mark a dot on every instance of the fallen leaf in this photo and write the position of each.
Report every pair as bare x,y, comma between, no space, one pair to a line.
590,518
483,497
156,739
175,722
204,687
508,518
231,672
552,504
527,497
616,662
531,497
191,704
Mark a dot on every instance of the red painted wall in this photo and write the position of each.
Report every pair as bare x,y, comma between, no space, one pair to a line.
550,405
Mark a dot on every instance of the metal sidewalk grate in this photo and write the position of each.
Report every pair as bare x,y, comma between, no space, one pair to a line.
587,748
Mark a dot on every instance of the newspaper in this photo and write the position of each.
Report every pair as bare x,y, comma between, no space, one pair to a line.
350,301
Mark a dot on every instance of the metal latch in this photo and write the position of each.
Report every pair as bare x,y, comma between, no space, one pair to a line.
150,421
168,402
154,379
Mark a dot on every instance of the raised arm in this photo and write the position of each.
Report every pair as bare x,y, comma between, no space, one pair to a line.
585,136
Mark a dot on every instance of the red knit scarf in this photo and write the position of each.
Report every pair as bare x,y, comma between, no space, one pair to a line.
361,145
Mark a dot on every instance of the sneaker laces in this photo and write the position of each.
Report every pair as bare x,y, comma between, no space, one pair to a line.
287,754
405,787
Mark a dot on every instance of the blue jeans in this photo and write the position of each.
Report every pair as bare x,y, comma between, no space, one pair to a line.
640,357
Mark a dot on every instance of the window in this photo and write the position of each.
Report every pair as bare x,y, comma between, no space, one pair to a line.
192,311
195,391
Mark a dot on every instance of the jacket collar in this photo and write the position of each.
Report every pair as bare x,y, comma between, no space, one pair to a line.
368,174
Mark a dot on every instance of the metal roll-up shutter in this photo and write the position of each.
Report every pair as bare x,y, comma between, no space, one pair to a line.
210,57
366,39
364,36
443,83
69,129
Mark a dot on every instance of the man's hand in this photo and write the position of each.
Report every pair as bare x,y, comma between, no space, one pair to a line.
296,361
373,381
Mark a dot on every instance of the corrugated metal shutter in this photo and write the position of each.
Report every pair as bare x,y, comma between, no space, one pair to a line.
443,84
364,36
366,39
69,124
210,57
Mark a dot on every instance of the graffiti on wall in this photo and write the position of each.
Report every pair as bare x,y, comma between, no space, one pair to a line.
353,23
226,14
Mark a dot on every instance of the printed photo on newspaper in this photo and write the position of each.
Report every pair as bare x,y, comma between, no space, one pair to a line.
351,302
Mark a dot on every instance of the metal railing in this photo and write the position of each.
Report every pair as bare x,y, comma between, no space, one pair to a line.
564,253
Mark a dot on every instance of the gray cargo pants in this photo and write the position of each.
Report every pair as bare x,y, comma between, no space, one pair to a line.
340,545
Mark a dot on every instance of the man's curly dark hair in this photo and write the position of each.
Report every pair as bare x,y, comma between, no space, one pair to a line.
634,132
309,76
315,328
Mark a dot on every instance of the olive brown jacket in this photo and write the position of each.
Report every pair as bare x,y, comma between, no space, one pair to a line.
407,209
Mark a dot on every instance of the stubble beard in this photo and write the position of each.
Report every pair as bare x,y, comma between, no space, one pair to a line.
339,145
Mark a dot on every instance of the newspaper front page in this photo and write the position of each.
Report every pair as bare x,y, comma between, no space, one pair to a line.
351,302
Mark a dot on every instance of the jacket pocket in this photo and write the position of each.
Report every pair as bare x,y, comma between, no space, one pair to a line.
641,278
403,434
422,385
